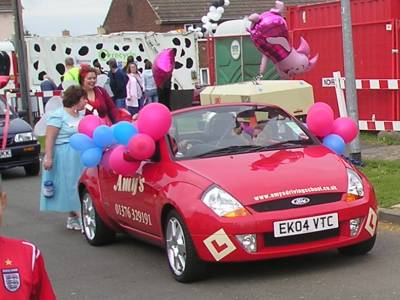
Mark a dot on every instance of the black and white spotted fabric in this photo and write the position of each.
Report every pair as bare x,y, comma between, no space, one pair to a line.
47,55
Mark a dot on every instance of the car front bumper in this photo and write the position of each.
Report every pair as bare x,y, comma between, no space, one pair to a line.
216,238
21,155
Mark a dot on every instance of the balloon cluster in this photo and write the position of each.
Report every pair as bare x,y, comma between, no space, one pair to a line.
334,133
210,21
124,145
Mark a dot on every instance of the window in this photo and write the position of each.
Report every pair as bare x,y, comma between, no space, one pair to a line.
204,76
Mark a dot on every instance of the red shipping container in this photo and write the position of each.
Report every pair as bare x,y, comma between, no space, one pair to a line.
376,41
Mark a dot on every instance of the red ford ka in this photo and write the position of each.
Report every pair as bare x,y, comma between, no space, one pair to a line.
233,183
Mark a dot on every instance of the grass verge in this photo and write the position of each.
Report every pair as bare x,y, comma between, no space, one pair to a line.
375,139
385,177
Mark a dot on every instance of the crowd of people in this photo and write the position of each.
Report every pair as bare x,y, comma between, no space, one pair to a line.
127,87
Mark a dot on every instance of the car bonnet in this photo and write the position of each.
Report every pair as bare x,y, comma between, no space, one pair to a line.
271,175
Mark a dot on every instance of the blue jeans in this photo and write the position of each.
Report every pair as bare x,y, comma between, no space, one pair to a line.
133,110
151,96
120,103
141,102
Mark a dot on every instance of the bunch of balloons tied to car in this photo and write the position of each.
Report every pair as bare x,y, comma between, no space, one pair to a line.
335,133
122,146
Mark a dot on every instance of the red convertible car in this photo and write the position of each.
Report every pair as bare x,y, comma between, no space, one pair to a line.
233,183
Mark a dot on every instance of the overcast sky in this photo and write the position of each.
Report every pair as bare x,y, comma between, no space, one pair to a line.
51,17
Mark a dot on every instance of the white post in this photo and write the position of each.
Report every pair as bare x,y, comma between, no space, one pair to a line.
341,101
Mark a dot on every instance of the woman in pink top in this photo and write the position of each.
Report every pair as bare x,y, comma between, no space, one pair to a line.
134,89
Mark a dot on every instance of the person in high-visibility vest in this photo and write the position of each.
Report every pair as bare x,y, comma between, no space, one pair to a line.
72,72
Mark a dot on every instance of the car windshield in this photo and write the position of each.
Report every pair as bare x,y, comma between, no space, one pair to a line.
235,129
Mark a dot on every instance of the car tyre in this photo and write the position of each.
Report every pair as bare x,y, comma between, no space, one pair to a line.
32,169
96,232
183,260
360,248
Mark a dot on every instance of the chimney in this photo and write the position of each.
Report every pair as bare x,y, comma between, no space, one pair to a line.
66,32
101,30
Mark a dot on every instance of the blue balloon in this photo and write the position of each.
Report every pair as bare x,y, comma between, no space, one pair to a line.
81,142
103,136
335,143
124,131
91,157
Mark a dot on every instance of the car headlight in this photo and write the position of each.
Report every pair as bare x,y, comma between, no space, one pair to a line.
223,204
24,137
355,189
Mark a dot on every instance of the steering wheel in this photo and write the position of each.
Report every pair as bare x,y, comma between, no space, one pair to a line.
186,144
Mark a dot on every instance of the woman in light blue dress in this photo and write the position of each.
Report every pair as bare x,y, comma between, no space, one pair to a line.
62,164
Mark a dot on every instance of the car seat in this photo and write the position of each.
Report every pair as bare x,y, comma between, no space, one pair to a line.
220,125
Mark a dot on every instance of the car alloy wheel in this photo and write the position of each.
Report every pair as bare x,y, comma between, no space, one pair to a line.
88,217
176,246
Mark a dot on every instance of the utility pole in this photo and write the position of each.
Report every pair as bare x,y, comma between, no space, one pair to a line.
351,92
20,47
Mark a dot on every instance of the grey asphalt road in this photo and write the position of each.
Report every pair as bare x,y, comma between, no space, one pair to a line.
130,269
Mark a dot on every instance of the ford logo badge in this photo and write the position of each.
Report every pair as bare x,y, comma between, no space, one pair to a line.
300,201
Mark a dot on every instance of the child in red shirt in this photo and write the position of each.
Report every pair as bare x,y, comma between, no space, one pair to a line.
23,274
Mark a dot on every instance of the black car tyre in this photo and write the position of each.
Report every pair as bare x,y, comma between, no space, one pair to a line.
360,248
95,230
183,261
32,169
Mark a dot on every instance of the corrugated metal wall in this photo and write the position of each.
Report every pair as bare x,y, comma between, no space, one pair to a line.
375,35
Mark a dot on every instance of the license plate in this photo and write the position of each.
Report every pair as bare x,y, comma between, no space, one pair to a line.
5,153
306,225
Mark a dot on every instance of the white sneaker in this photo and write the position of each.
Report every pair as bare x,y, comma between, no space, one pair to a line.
73,223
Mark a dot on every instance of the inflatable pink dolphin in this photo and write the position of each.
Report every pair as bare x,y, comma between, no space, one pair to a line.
270,35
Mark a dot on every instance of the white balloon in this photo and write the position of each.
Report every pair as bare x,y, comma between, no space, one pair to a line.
220,10
227,2
190,29
215,17
204,19
198,29
214,26
200,35
213,9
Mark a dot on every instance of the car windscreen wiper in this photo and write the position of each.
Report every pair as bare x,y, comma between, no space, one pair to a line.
291,142
230,150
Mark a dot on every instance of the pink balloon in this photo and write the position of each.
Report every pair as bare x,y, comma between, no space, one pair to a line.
120,165
4,80
163,65
154,120
320,121
88,124
346,128
322,105
141,146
